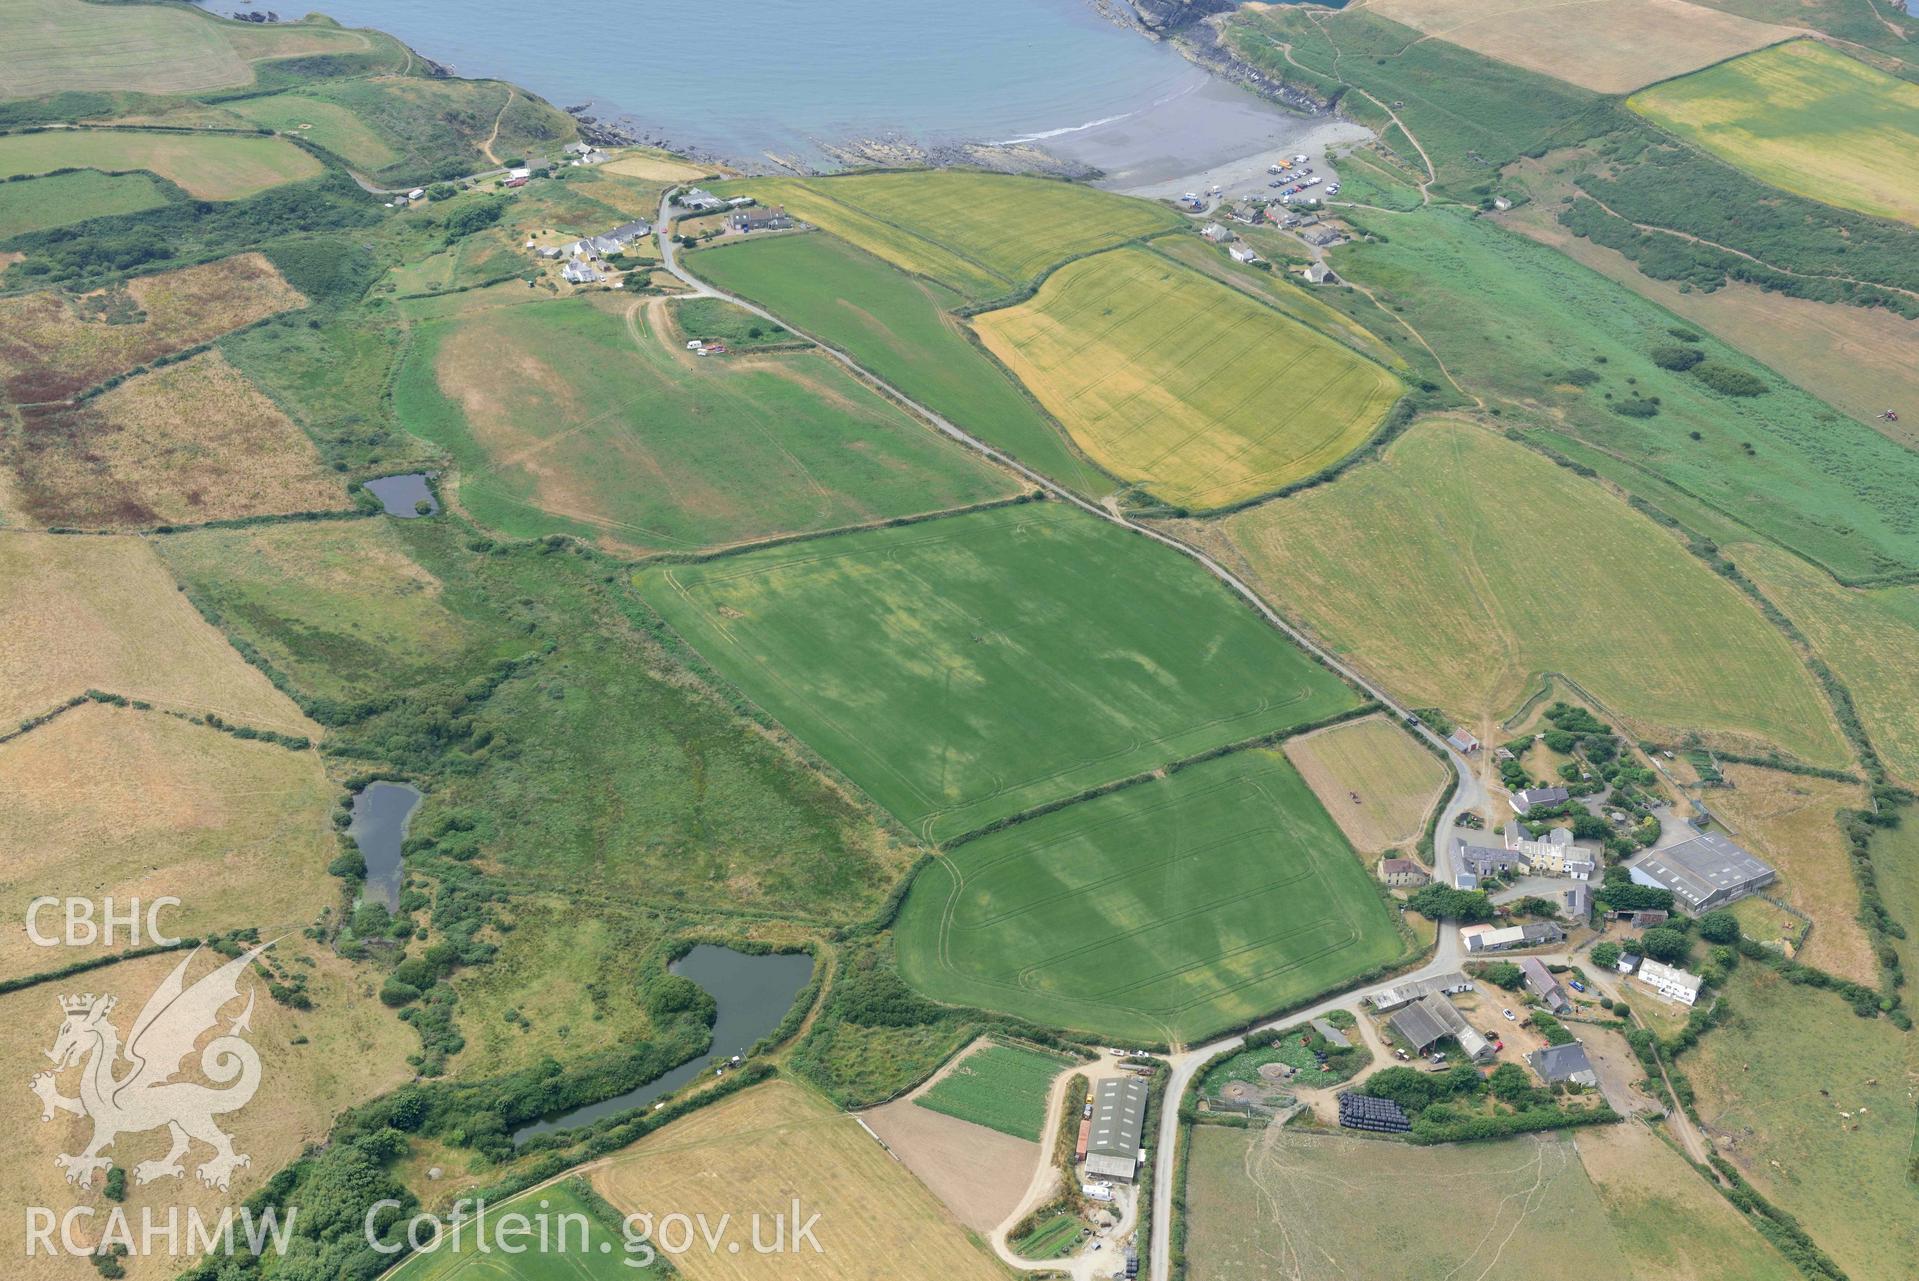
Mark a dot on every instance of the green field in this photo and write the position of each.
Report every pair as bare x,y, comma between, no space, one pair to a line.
714,319
1050,1239
983,235
1806,118
1479,577
1777,1077
1326,1207
967,669
209,166
56,46
1175,381
1002,1087
1868,637
601,767
71,197
400,127
325,124
900,329
1164,911
1517,321
1895,865
591,418
584,1243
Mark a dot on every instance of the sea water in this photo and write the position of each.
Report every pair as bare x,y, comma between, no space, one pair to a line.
745,79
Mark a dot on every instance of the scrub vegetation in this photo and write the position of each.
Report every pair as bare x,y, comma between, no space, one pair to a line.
54,345
1553,339
969,668
180,445
1166,911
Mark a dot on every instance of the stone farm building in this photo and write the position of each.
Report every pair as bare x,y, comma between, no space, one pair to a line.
1703,873
1405,993
1119,1121
1402,873
1544,985
1524,801
1431,1019
773,219
1484,938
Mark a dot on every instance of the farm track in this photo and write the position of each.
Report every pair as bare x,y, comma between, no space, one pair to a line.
1468,791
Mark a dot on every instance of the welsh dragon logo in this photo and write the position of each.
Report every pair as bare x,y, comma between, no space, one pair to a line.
130,1089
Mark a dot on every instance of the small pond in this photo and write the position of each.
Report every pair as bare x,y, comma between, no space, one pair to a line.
401,495
380,815
753,994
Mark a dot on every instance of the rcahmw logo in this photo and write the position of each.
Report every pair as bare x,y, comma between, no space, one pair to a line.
129,1087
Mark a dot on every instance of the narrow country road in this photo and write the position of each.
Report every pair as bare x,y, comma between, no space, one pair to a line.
1468,793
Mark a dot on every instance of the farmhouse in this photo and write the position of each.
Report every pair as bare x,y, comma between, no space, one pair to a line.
1544,985
1557,1063
1391,998
611,242
1525,800
1553,854
699,200
1484,860
1627,963
1671,983
1320,237
1216,233
1119,1119
1319,273
1431,1019
1243,252
1703,873
1401,872
1484,938
773,219
579,272
1576,901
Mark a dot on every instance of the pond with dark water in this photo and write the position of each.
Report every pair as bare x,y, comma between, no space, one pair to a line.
753,994
380,815
402,495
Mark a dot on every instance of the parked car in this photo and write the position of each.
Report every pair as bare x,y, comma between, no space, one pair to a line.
1510,1016
1576,985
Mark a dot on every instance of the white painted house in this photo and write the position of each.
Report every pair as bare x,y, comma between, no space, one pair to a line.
1671,983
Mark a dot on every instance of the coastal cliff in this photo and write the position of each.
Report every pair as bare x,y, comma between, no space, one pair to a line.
1164,17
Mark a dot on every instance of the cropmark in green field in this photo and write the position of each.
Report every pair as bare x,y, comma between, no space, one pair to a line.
1164,911
965,669
1002,1087
573,418
1478,578
899,328
584,1243
1180,383
983,235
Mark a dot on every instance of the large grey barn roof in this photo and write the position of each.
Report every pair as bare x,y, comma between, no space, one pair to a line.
1119,1117
1703,866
